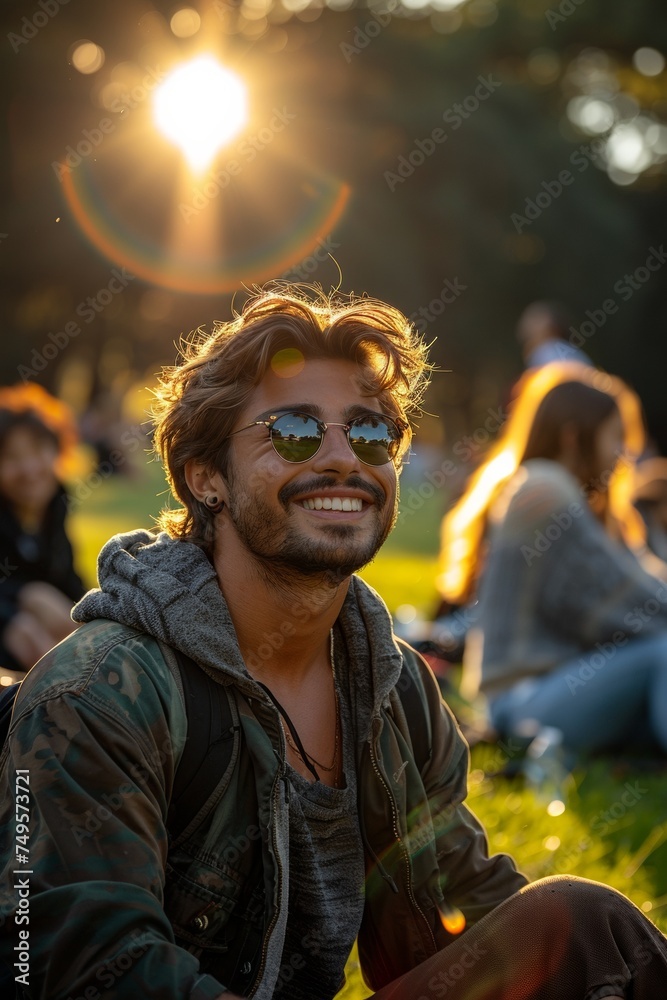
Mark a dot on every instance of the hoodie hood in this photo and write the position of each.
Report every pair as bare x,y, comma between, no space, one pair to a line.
169,589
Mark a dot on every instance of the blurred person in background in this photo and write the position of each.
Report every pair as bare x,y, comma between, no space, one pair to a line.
543,332
38,581
572,624
649,495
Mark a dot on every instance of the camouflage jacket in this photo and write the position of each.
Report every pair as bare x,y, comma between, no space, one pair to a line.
105,905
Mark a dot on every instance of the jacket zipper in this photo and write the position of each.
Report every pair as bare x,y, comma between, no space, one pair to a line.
274,919
408,879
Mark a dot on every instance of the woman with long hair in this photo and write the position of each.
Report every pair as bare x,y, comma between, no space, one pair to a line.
571,628
38,581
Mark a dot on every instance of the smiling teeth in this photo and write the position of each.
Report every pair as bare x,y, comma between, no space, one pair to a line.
332,503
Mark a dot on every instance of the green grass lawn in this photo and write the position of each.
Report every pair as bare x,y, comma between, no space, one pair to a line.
614,827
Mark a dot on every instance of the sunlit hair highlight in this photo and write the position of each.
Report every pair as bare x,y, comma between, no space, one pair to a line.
198,402
463,528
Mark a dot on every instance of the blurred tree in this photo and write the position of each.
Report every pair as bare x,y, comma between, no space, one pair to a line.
447,124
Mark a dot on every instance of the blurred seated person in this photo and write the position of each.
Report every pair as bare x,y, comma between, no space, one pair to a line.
38,582
543,331
571,630
649,495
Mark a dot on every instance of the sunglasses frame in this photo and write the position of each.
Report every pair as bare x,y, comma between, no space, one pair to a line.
323,426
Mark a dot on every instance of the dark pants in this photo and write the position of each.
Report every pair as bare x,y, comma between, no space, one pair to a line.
561,938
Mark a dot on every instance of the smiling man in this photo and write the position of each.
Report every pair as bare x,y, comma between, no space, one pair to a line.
338,813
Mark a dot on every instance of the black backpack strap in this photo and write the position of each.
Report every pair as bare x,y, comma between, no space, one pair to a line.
412,700
208,747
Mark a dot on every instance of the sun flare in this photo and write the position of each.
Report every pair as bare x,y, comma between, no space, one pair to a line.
200,107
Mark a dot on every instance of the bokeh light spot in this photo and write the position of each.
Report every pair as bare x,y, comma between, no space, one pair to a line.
649,62
626,149
551,843
405,613
453,921
185,22
556,808
596,116
288,362
87,57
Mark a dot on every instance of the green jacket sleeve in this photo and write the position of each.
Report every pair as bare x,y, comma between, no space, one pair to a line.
99,762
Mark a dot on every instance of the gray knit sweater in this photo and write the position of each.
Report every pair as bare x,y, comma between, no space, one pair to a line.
554,584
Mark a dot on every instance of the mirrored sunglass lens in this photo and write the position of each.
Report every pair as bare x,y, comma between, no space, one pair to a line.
374,440
296,437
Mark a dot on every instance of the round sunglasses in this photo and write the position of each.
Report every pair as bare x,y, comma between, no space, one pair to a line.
297,437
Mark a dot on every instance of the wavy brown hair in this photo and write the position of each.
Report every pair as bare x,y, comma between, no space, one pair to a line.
197,403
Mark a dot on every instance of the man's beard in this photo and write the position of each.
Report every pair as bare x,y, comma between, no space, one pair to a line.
271,535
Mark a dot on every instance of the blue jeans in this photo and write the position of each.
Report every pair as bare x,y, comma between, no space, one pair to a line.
607,696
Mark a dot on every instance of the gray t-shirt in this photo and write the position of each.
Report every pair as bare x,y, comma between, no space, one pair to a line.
326,872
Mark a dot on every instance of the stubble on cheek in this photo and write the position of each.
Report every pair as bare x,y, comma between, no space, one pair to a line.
273,530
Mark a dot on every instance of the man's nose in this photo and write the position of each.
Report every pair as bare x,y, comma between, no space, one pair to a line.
335,454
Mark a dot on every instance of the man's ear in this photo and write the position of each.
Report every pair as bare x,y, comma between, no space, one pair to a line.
203,482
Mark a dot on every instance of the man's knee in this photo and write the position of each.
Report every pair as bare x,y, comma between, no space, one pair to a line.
559,895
